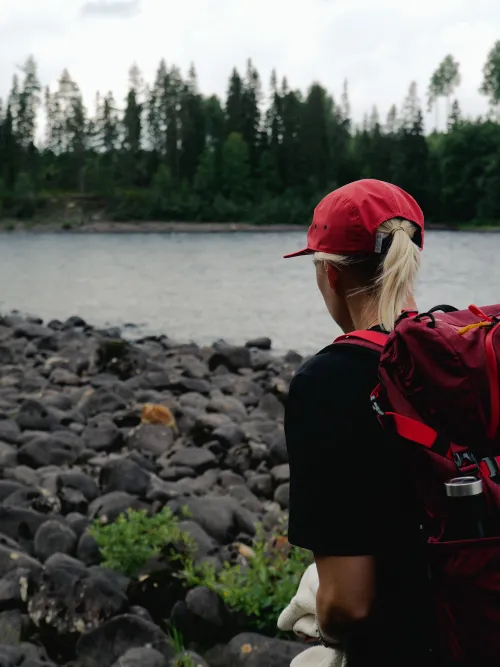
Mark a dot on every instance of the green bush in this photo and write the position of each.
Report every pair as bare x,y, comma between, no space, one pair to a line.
127,544
261,589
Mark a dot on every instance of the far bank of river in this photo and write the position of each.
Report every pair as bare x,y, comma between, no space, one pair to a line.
158,227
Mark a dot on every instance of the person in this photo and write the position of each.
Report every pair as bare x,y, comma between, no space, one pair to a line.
349,502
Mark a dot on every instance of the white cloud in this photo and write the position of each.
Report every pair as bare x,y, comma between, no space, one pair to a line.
380,46
112,8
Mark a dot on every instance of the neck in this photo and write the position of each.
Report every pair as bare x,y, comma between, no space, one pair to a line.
364,314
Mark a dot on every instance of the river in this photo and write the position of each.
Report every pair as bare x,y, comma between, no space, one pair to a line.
205,287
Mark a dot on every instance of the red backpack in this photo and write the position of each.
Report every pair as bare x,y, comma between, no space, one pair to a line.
439,395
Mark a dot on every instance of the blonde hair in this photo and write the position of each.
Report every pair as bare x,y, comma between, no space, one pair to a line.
394,276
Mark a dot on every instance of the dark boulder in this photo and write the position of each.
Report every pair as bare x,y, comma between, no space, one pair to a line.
34,416
124,475
260,343
233,358
69,598
253,650
151,439
111,505
102,434
103,646
143,656
54,537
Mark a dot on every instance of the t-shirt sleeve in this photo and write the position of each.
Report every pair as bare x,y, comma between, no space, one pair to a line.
334,503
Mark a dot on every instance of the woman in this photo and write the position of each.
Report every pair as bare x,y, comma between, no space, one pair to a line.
349,502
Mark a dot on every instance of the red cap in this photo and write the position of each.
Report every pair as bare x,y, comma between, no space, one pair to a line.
346,221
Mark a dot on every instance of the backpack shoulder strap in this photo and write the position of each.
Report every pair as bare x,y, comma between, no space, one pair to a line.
372,340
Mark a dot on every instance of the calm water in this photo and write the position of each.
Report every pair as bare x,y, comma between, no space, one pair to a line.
205,287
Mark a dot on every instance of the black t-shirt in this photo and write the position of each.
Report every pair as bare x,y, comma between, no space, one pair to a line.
349,497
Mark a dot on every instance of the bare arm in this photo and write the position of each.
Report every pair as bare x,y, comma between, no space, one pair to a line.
345,595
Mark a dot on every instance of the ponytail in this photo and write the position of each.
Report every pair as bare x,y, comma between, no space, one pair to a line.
398,271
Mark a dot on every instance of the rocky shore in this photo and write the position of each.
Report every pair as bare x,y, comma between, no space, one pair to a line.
83,438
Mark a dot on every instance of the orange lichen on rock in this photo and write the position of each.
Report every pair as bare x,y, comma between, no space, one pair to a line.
156,413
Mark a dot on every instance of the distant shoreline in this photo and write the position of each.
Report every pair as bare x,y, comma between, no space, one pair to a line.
105,227
108,227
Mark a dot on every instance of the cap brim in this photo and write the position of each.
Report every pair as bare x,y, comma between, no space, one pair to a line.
299,253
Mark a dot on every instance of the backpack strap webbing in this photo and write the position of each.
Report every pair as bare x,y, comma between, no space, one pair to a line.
372,340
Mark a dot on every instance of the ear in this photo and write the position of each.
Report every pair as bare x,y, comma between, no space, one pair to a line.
333,275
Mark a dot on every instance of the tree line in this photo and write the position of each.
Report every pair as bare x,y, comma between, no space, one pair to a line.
171,153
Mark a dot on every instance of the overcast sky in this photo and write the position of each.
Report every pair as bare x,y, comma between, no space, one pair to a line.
378,45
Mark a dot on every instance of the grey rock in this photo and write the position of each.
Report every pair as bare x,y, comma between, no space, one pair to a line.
277,449
161,491
260,343
281,473
228,405
197,459
201,484
272,407
59,448
221,517
193,367
259,359
8,487
105,399
293,358
87,550
13,559
152,439
228,478
75,322
206,605
191,384
204,544
21,525
64,377
22,474
33,416
142,656
80,481
124,475
71,598
282,495
229,435
9,431
206,424
106,644
261,430
111,505
11,626
24,655
102,434
54,537
253,650
30,330
8,455
246,498
261,484
239,459
173,473
6,355
77,522
194,400
233,358
40,500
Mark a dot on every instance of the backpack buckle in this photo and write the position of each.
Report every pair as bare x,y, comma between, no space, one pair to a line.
376,406
465,461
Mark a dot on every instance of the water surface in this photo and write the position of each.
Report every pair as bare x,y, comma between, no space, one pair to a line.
204,287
